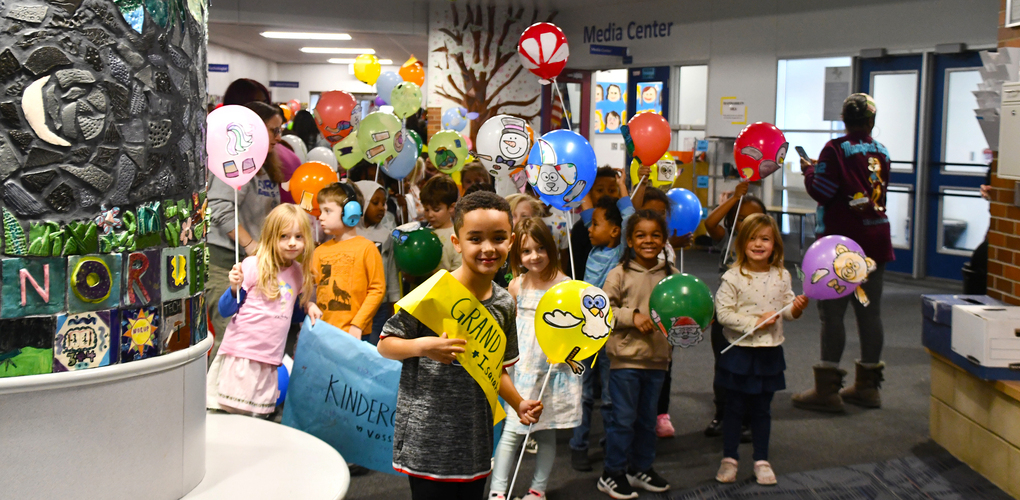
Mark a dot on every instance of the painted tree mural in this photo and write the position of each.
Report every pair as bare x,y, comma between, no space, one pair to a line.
475,63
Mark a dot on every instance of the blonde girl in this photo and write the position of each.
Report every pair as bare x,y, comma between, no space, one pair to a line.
267,292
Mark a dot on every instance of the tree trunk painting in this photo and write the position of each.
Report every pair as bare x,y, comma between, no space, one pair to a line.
474,63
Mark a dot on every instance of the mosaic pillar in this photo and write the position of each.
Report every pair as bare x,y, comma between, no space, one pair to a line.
102,154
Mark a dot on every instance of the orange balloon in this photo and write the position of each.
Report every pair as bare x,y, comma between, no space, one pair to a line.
306,182
413,73
650,133
287,113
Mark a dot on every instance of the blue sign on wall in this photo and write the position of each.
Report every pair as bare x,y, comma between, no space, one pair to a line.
285,85
608,50
219,68
702,181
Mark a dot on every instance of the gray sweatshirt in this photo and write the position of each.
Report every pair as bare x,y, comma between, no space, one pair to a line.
254,201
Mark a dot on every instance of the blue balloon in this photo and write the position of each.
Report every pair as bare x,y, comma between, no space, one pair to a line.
384,85
454,119
684,212
561,167
282,378
404,163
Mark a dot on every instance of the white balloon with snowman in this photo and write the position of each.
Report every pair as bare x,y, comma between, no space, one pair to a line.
502,144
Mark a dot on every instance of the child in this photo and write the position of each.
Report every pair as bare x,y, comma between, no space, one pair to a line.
606,184
523,207
473,174
536,269
378,225
750,293
264,298
726,213
439,197
348,269
639,356
443,428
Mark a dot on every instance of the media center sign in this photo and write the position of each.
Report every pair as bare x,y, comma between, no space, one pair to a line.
633,31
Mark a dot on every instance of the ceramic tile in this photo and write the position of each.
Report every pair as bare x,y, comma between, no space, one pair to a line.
176,332
142,278
91,175
68,77
9,162
139,333
9,65
199,319
33,286
149,225
14,234
197,269
86,340
26,346
44,59
93,282
174,273
37,181
61,199
81,238
20,201
45,239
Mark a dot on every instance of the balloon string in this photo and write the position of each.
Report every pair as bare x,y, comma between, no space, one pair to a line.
642,181
237,230
681,261
570,246
566,114
527,436
752,330
733,229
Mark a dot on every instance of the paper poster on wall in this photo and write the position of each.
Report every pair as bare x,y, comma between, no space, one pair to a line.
610,106
837,87
733,110
649,97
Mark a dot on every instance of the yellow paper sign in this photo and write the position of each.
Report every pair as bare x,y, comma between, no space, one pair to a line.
443,304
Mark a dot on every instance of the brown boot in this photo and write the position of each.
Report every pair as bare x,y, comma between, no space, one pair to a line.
865,392
825,395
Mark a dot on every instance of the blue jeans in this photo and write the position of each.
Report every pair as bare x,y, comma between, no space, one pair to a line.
384,313
601,369
631,439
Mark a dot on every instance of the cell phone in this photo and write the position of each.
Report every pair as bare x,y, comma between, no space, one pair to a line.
803,154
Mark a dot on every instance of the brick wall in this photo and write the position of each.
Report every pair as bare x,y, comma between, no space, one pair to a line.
1003,242
435,117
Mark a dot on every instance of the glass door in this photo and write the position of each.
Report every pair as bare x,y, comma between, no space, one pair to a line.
958,216
895,84
574,109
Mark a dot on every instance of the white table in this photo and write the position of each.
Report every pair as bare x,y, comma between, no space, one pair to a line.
254,459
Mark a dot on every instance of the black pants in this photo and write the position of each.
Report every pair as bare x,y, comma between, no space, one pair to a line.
869,322
718,344
426,489
663,407
758,408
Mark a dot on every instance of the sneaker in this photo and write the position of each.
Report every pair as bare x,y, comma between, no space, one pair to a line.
745,434
616,486
763,473
727,471
664,427
579,460
357,470
648,480
531,446
714,428
495,495
534,495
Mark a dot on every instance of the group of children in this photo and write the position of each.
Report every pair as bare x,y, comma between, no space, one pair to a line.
351,282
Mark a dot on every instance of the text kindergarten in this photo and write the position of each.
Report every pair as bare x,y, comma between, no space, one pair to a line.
635,31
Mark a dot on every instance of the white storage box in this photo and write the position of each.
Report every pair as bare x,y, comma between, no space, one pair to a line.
987,335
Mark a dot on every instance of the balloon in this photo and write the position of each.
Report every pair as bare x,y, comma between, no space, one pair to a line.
503,144
685,212
448,151
287,113
237,143
681,307
664,171
348,153
306,182
367,68
417,252
298,146
543,50
650,133
759,150
282,379
418,142
834,267
412,72
378,137
572,322
385,84
322,154
561,167
294,105
406,99
455,119
337,114
404,163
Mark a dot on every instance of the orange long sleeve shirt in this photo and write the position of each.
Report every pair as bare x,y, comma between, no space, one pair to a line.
350,283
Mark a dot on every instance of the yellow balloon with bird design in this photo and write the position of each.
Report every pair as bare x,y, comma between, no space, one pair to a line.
572,322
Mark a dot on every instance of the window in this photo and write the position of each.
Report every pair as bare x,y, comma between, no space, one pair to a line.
692,107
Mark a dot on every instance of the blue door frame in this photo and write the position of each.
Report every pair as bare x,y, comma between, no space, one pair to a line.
904,262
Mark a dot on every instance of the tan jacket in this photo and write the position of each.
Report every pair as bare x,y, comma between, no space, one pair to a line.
629,293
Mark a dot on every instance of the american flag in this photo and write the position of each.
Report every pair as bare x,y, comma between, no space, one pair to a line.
556,112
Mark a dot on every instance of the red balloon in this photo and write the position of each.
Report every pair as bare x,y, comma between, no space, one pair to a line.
306,182
650,133
543,50
759,150
337,114
294,105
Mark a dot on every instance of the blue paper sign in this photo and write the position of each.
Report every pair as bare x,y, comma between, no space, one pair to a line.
219,68
607,50
283,84
344,393
702,181
702,146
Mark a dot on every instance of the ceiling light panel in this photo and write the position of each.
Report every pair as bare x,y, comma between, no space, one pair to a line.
294,35
336,50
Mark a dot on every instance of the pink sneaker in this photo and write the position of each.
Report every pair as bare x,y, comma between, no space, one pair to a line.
664,427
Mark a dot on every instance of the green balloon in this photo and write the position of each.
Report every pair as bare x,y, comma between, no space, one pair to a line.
376,136
347,151
406,99
682,307
448,151
418,143
417,252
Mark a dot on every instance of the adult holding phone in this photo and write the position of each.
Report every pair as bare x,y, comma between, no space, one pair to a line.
849,182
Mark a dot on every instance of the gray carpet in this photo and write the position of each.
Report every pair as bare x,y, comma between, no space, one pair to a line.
801,441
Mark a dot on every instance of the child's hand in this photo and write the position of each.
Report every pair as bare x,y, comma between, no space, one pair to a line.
644,323
799,304
768,315
236,277
313,312
681,241
356,332
741,189
643,171
442,348
529,411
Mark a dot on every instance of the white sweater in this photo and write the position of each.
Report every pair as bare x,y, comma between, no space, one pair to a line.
744,296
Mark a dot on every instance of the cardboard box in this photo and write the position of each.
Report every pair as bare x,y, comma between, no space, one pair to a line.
936,332
987,335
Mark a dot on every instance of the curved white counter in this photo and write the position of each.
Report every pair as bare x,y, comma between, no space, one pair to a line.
129,431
